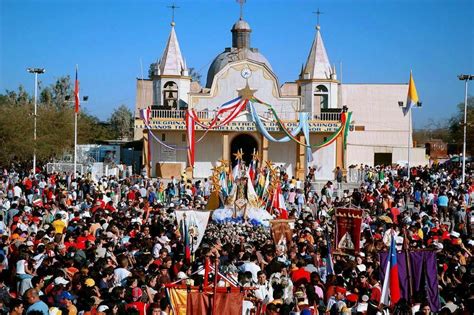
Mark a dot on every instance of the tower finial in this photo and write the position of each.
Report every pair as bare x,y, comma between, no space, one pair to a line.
241,3
318,13
173,7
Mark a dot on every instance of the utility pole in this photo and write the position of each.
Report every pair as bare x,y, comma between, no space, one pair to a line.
36,71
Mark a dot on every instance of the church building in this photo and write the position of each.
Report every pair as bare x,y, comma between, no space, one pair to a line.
378,133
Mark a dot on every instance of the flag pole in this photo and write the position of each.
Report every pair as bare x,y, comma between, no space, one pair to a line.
75,143
76,111
408,264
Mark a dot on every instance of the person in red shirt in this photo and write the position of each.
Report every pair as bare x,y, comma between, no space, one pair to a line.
131,195
110,207
300,275
136,303
376,292
28,184
82,239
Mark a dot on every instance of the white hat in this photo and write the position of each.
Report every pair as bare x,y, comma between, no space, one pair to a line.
102,308
310,268
164,239
361,268
399,239
455,234
54,311
181,275
30,243
60,280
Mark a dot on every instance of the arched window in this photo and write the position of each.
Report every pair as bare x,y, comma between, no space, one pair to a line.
170,95
321,96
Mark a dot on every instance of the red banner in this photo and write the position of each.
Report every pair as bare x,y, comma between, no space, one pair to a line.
348,222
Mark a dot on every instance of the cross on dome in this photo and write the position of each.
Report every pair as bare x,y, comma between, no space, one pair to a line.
241,3
318,13
173,7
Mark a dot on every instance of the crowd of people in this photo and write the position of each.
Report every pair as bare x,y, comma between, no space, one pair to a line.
110,246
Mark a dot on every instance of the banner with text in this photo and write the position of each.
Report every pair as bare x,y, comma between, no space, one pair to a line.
348,223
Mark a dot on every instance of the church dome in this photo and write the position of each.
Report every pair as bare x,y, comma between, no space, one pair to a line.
240,50
241,25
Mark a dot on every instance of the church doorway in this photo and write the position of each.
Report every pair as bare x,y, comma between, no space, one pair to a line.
245,142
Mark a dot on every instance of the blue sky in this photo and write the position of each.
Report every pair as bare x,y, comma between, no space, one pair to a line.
377,42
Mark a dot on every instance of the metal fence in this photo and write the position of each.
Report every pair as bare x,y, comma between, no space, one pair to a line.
355,175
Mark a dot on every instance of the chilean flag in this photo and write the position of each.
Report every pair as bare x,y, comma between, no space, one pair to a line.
191,136
145,114
391,284
76,94
252,170
278,203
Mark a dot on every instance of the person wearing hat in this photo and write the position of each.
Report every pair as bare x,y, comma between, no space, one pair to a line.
66,300
55,311
336,301
136,304
102,309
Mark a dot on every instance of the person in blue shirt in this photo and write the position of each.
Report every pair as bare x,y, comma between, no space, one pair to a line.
36,305
443,206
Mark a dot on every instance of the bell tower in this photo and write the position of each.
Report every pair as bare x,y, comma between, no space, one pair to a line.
171,80
318,80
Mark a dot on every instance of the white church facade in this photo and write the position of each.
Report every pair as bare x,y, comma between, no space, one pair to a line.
378,133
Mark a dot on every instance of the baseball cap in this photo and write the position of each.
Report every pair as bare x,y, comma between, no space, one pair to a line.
60,280
102,308
181,275
30,243
341,290
89,282
55,311
67,295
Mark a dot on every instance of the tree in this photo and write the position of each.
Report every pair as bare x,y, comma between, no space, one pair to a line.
456,125
121,122
55,124
432,130
151,70
195,76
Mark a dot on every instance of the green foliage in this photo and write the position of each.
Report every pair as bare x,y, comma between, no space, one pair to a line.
151,70
121,122
195,76
432,130
456,125
55,124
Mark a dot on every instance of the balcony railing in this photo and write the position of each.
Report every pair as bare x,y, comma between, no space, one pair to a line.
208,115
328,116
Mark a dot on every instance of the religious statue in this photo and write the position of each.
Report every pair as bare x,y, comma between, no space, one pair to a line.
241,199
346,242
